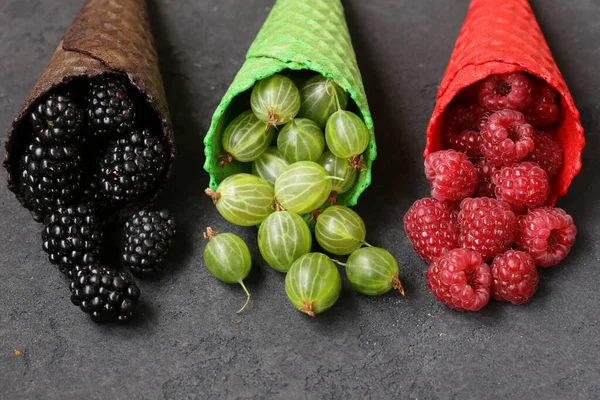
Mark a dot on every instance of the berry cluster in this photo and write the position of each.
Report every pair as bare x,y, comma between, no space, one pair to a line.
89,156
487,225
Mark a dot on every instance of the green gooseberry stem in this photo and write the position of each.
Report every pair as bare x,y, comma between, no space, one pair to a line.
336,178
366,244
247,298
337,100
338,262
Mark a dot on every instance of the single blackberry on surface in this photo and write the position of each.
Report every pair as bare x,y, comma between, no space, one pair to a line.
56,119
148,236
72,235
110,108
132,166
107,295
49,177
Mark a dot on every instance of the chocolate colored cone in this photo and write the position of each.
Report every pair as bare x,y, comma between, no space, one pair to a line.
106,37
503,36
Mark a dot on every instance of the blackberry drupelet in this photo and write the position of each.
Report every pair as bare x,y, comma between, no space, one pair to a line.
107,295
72,235
56,119
110,108
49,177
132,166
148,236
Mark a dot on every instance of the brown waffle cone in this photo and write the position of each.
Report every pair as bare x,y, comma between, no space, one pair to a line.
106,37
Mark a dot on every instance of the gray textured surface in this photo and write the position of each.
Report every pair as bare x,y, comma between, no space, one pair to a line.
187,341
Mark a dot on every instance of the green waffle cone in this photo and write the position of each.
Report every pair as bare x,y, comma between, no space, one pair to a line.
297,35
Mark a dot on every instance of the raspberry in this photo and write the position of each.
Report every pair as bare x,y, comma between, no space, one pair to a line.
543,110
462,126
505,91
547,153
506,138
523,185
547,234
451,174
431,228
514,277
487,226
460,279
485,170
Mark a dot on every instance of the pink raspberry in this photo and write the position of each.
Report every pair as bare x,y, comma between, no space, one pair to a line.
485,170
547,153
506,138
431,228
460,279
451,175
543,110
462,126
523,185
505,91
514,277
547,234
487,226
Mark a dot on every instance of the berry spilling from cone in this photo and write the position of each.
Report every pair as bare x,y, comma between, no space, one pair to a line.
489,190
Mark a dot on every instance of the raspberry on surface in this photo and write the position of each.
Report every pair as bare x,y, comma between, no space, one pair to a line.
451,175
485,170
547,234
547,153
461,128
511,91
514,277
460,279
506,138
543,110
487,226
430,225
523,185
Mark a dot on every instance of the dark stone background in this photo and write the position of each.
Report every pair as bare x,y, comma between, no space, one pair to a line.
187,341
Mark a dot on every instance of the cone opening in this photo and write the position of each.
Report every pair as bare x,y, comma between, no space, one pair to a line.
241,103
21,135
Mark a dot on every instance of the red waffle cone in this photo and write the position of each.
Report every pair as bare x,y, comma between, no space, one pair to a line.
503,36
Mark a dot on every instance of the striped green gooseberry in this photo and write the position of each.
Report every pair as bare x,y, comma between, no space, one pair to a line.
303,187
228,258
373,271
243,199
342,168
275,100
318,99
313,283
269,165
245,138
283,238
301,140
340,230
346,134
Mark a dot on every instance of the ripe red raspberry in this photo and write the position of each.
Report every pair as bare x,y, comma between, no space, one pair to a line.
547,234
431,228
485,170
462,126
547,153
505,91
506,138
514,277
460,279
452,176
523,185
543,110
487,226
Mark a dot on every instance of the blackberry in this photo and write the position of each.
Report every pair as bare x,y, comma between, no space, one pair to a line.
50,176
72,235
110,108
56,119
107,295
148,235
132,166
